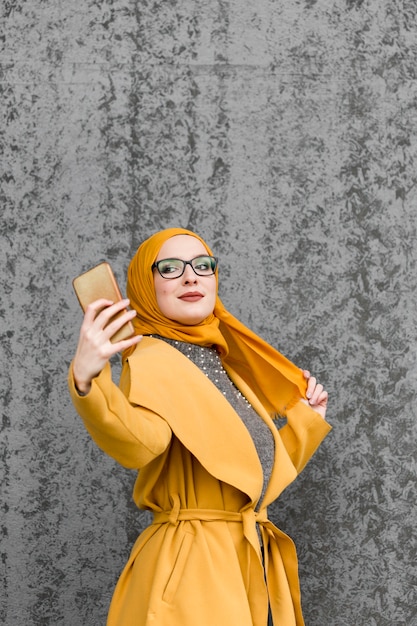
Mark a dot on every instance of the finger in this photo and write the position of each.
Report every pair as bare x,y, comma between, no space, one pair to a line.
119,346
117,323
306,374
126,343
311,385
95,307
109,310
315,394
323,398
319,397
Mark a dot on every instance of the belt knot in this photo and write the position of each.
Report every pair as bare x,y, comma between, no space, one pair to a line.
175,511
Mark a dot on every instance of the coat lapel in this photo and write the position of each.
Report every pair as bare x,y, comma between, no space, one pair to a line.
167,383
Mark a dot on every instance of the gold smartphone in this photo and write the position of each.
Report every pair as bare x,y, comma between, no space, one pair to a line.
100,282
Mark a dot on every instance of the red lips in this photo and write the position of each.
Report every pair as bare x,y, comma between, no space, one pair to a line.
191,296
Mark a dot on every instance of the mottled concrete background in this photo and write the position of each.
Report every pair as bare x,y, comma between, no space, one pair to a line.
285,133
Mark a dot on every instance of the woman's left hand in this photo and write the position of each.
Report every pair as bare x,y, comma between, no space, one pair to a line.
317,396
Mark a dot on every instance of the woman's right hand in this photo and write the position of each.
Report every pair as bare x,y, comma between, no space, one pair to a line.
94,347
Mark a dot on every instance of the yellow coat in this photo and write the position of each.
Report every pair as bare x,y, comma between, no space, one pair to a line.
200,561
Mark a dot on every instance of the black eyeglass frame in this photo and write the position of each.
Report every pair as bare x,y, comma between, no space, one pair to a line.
213,263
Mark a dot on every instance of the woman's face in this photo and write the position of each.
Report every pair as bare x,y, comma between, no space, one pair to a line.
188,299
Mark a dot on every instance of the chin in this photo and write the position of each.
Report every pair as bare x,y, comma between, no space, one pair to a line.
192,318
191,322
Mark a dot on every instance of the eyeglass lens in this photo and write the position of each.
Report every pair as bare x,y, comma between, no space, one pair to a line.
173,268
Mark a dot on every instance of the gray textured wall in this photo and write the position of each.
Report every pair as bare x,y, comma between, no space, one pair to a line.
285,134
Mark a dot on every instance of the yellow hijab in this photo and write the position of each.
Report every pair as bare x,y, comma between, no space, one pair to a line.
276,381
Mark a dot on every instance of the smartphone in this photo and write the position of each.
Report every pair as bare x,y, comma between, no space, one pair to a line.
100,282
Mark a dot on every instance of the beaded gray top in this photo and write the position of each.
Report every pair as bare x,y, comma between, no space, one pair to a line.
209,362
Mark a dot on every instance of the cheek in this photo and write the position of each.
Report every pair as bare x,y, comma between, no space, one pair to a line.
213,292
162,291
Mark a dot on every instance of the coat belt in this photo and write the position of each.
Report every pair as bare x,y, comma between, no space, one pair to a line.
248,517
279,550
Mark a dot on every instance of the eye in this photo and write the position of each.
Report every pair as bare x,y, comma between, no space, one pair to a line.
203,264
170,266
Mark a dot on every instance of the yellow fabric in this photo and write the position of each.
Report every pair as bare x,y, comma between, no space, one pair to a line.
200,475
281,565
277,382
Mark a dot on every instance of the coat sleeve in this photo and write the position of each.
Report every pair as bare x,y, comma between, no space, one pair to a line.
303,433
131,434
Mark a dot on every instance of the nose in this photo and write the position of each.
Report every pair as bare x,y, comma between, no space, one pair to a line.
189,275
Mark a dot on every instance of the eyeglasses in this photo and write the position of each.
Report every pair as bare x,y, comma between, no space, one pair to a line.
174,268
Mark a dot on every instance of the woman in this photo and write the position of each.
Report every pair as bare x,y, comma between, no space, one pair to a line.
198,391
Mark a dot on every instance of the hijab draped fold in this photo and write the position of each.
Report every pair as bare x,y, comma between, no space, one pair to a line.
276,381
